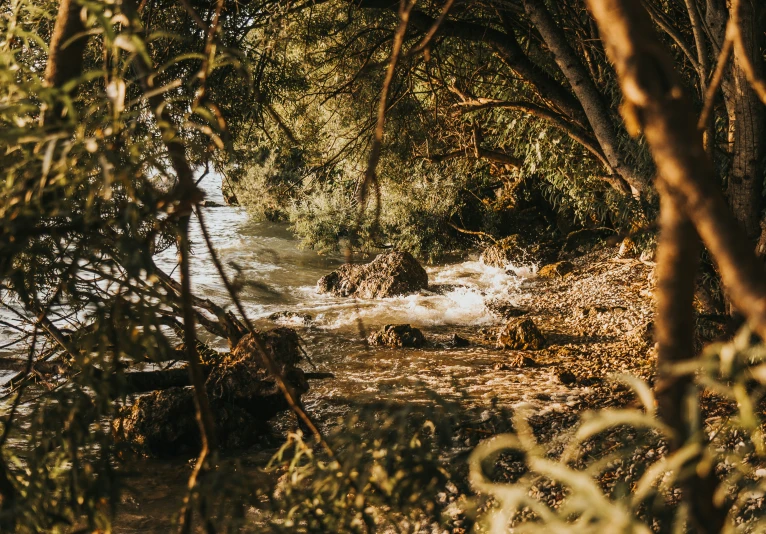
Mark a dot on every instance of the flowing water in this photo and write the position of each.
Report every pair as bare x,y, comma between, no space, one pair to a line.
277,275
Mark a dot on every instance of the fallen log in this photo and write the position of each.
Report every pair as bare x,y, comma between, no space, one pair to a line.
146,381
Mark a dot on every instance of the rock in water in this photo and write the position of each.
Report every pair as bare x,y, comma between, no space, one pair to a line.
291,315
516,362
397,335
161,423
242,380
553,270
389,275
503,252
504,309
458,341
520,334
243,397
567,378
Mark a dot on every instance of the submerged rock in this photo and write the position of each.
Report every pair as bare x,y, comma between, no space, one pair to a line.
557,269
516,362
520,334
305,317
504,309
389,275
397,335
243,397
458,341
503,252
567,378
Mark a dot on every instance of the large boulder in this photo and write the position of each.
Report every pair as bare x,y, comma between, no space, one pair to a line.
520,334
243,396
389,275
397,335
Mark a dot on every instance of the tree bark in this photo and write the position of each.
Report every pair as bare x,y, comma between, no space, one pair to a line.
678,252
746,116
65,62
587,93
655,101
747,125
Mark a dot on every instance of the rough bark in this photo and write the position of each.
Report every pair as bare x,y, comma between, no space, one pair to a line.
65,52
677,262
745,114
591,99
747,126
656,103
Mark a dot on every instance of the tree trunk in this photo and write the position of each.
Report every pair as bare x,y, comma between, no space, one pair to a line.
587,93
746,131
747,126
678,252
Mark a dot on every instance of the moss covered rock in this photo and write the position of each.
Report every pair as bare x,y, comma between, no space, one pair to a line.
397,335
389,275
554,270
520,334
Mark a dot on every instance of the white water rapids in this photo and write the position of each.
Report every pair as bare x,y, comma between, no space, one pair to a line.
276,275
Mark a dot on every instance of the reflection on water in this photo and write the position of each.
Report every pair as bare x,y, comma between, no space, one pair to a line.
277,275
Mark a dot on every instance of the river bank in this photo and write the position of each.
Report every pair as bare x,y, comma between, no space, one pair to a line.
596,319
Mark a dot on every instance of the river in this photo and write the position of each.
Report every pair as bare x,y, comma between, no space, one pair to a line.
276,275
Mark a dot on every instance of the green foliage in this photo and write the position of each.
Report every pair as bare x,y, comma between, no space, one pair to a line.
325,218
86,200
268,181
726,439
388,474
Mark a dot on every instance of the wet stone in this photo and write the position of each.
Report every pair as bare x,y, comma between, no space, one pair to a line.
516,362
243,396
458,341
554,270
503,252
504,309
567,378
397,335
280,315
520,334
389,275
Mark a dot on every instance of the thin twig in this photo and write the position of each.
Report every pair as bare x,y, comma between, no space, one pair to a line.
432,31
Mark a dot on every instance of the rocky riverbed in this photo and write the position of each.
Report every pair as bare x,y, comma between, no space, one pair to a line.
593,321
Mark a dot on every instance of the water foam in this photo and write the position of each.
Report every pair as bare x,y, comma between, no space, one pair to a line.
458,296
